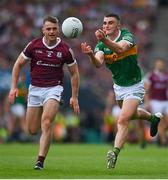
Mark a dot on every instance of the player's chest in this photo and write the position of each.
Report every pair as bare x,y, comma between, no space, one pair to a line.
48,55
160,81
162,78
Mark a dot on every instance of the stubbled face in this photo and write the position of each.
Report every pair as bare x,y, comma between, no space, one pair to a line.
160,65
110,25
50,31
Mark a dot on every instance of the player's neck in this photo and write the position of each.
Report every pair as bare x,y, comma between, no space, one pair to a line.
115,35
49,42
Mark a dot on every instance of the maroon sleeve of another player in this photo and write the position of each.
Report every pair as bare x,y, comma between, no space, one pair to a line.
148,78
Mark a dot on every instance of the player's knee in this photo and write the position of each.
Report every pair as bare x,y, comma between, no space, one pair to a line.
46,124
32,131
123,119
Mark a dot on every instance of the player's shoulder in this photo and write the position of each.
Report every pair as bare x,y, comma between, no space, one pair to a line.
64,43
150,73
128,36
126,31
35,41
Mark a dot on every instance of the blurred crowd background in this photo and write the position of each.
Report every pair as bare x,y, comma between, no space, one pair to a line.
21,21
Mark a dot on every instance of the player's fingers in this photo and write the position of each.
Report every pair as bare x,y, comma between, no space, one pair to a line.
83,46
101,31
17,93
71,104
11,97
76,109
88,47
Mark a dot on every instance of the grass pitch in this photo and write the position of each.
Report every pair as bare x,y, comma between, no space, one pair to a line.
83,161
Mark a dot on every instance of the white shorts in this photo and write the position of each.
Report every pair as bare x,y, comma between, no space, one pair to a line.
39,95
136,91
159,106
116,111
18,110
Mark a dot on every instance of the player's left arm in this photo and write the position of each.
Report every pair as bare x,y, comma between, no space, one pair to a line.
118,47
75,81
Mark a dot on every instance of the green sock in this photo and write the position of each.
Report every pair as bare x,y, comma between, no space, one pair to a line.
116,150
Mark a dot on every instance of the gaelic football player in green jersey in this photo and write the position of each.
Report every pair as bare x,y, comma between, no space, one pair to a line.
117,49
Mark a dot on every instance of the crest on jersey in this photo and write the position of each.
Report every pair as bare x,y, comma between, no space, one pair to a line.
59,54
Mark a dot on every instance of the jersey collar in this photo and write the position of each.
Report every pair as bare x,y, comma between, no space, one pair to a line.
117,36
51,47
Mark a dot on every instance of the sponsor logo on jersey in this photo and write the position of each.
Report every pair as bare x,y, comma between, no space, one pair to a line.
41,63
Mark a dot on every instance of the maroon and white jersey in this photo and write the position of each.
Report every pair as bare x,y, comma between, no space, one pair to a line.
46,62
158,85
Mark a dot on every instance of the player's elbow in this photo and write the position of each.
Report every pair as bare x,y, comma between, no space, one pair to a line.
98,65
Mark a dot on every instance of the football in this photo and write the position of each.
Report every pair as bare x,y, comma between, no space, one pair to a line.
72,27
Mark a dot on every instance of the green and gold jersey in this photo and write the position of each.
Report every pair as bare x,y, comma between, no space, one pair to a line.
124,67
22,94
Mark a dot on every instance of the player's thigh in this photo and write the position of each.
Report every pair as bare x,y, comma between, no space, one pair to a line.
50,110
33,118
129,108
165,118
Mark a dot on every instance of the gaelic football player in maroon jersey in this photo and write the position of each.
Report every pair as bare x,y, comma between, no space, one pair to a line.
46,56
156,99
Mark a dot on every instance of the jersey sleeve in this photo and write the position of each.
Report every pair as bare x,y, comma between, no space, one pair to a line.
99,47
128,36
147,78
27,52
70,58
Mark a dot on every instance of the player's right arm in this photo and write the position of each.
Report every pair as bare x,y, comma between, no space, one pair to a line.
20,62
97,59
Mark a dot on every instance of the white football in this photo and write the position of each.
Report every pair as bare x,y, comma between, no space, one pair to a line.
72,27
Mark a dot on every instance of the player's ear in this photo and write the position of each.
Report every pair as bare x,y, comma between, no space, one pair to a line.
42,29
119,25
58,29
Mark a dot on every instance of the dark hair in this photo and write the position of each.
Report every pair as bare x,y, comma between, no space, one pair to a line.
50,19
113,15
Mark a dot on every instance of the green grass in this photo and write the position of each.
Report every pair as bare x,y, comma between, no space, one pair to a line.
83,161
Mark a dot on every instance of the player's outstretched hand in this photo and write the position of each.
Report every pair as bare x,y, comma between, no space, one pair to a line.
12,94
100,34
86,48
74,105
